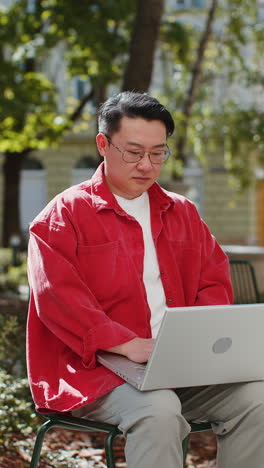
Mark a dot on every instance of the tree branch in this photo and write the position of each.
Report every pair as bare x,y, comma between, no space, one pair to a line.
195,80
77,112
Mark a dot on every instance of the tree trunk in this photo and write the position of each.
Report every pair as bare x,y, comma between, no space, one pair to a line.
195,82
11,216
142,47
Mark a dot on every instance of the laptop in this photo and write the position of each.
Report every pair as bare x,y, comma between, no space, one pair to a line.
199,346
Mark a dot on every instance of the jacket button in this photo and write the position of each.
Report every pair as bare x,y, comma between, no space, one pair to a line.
170,300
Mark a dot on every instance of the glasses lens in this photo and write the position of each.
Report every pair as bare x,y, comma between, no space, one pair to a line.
133,155
156,157
166,154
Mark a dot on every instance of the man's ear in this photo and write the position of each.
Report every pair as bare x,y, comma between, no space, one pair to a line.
102,143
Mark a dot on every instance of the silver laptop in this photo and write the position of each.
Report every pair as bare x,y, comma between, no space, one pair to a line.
199,346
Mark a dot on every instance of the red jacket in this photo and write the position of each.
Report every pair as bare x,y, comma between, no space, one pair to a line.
87,293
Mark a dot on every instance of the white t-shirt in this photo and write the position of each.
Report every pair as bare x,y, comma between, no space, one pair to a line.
140,210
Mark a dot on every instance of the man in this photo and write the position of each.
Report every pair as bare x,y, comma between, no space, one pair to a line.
105,257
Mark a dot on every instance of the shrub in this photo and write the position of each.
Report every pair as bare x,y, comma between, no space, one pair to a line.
16,412
13,271
12,277
13,318
5,258
16,276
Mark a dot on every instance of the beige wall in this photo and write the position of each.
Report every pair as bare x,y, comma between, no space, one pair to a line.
231,217
59,163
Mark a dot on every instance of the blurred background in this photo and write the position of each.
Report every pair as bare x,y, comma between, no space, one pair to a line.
60,59
202,58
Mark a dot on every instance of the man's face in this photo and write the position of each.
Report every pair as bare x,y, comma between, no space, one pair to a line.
130,180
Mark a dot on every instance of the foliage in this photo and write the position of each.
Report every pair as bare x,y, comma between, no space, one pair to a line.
12,278
16,415
13,337
241,134
16,276
29,100
176,39
17,418
222,121
96,51
5,258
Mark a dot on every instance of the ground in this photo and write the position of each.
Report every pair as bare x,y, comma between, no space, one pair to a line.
82,450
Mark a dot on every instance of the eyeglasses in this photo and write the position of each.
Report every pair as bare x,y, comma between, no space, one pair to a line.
157,156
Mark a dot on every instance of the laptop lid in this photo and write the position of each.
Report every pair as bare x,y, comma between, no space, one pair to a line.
201,346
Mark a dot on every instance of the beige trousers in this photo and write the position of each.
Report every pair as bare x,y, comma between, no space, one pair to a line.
154,423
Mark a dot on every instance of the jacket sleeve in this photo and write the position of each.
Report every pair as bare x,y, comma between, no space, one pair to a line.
215,286
61,298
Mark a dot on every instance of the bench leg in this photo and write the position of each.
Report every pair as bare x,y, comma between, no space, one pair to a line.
38,443
109,452
185,445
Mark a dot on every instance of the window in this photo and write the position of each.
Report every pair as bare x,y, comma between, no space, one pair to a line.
82,87
189,4
261,10
32,191
88,162
84,169
32,164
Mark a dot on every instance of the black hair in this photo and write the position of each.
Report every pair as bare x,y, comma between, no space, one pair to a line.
130,104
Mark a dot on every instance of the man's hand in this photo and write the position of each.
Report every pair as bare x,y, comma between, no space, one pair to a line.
137,350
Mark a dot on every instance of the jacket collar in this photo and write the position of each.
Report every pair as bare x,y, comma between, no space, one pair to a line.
102,197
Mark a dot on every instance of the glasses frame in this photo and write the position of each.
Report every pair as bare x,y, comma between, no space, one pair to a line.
166,157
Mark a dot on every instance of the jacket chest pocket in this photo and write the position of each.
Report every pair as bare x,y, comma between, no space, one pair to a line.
187,257
104,268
